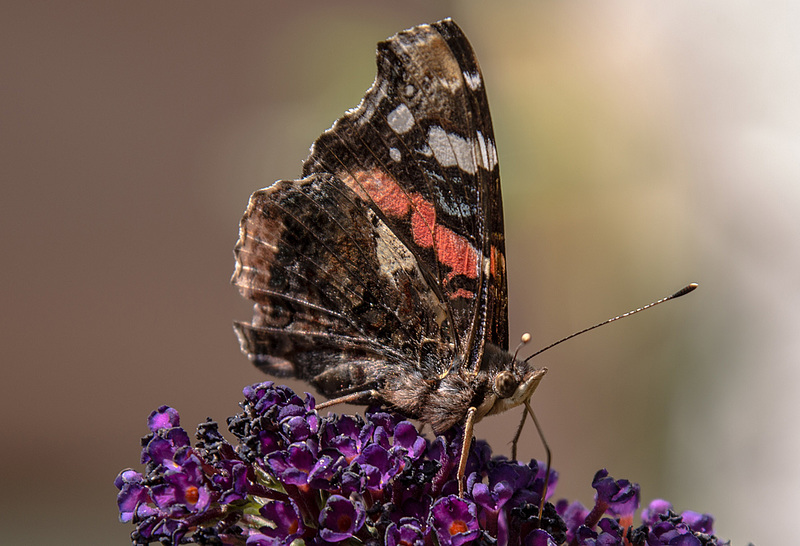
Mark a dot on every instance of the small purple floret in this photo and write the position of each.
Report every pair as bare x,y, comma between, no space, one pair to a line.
340,519
656,508
287,519
620,496
455,520
697,522
407,533
163,417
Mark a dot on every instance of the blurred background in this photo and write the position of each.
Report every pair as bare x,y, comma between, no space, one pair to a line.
643,145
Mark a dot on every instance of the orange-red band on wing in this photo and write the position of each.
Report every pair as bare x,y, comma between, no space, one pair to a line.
452,249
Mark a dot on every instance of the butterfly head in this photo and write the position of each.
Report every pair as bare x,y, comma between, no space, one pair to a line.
512,382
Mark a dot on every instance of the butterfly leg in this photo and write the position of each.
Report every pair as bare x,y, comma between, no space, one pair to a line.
547,451
360,397
517,436
465,443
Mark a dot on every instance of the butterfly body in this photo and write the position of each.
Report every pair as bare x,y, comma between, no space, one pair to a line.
380,275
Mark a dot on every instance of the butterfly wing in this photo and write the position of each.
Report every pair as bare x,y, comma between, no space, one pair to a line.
388,254
494,293
425,122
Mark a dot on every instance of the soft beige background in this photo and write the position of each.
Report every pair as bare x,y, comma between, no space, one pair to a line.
643,145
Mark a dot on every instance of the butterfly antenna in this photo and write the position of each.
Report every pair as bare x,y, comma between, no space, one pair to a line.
682,292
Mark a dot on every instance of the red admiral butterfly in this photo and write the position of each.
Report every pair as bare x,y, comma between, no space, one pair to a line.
380,275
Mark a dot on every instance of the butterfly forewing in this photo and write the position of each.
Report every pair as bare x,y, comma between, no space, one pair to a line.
387,257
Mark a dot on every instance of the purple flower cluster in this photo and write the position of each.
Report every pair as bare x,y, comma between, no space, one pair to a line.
618,501
294,476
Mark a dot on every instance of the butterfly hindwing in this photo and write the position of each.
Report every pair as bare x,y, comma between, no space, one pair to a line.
309,255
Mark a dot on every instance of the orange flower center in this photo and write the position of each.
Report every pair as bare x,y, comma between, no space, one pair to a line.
192,494
457,526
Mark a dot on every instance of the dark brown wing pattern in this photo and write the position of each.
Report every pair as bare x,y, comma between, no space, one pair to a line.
387,256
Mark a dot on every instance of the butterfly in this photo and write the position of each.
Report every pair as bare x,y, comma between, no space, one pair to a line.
380,274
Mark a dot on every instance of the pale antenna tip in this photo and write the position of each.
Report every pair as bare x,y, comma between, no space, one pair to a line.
685,290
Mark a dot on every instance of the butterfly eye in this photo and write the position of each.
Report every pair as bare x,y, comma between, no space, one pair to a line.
505,384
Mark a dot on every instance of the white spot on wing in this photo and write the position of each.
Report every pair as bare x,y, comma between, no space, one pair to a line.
396,261
486,151
391,257
395,154
400,119
440,146
473,80
451,149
